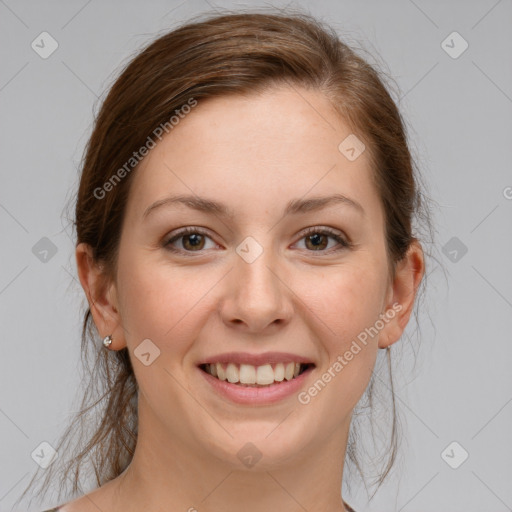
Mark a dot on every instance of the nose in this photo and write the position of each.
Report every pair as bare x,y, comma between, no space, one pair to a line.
257,297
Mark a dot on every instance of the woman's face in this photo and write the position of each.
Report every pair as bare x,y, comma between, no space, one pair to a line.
249,279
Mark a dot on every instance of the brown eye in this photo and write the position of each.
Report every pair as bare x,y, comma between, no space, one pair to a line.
316,240
192,240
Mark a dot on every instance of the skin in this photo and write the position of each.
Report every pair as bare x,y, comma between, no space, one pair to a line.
254,154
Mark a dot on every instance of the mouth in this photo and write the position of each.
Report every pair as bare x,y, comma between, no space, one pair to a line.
247,375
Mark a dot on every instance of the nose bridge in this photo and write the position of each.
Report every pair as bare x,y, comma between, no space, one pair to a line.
259,298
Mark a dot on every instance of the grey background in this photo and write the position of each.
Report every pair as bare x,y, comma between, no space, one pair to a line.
459,110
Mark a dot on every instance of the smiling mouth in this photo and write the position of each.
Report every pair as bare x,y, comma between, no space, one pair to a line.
255,376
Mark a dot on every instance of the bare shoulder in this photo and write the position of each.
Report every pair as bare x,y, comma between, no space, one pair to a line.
79,505
98,499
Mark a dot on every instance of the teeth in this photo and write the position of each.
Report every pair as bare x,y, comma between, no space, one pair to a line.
264,375
289,370
254,375
232,373
247,374
279,372
221,373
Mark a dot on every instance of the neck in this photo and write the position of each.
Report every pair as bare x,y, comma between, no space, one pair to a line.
170,470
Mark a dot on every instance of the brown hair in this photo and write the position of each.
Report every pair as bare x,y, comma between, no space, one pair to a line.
233,53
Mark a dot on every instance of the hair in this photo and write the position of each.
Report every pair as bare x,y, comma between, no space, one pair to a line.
221,55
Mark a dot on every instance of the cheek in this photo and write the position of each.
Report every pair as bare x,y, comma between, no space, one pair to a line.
346,306
161,302
344,300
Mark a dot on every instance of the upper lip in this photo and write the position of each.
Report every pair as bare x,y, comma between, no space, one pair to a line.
256,359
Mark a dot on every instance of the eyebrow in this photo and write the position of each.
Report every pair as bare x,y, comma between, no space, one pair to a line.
294,207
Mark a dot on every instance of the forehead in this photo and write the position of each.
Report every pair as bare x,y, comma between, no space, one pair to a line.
256,150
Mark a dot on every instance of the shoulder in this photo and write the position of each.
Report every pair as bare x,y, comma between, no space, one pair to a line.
84,503
62,508
349,509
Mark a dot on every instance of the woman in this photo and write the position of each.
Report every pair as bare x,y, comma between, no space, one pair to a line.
244,241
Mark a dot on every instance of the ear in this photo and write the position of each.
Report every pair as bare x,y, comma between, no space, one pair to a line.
101,295
402,293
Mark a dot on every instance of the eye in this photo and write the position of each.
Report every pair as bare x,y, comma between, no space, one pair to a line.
316,239
193,240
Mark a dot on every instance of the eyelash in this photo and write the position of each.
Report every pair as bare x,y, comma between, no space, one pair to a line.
321,231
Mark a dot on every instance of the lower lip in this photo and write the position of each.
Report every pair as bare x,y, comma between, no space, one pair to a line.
257,395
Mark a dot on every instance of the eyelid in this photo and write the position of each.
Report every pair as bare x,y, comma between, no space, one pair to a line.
181,233
336,234
325,230
343,241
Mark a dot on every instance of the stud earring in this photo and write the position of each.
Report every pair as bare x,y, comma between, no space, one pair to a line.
107,341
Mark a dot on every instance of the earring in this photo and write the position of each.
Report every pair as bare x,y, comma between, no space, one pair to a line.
107,341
